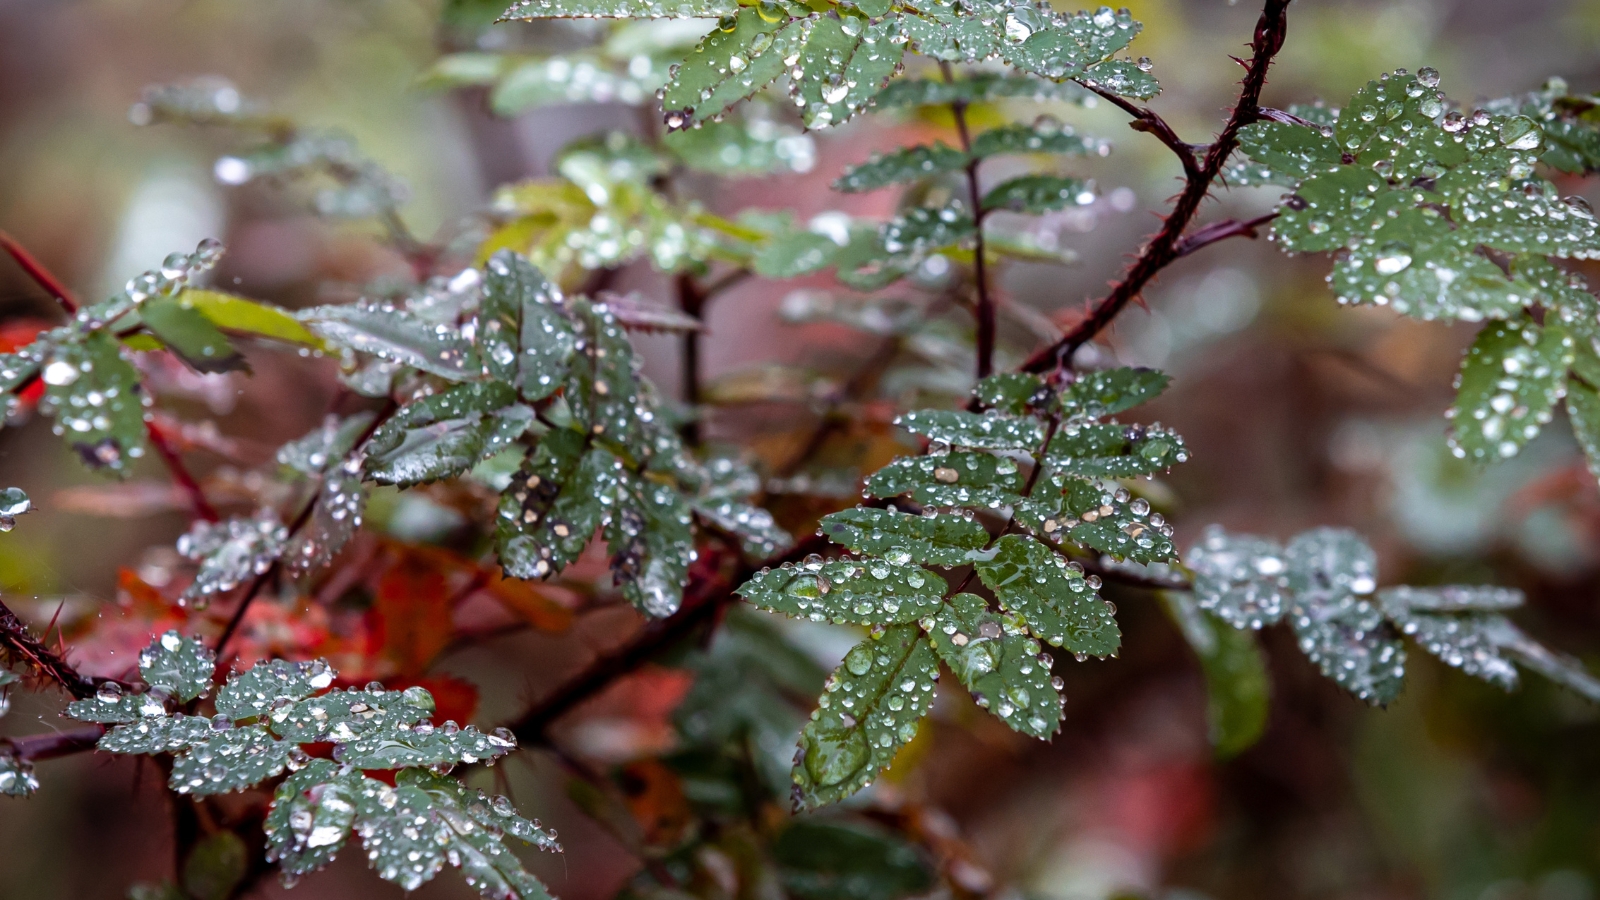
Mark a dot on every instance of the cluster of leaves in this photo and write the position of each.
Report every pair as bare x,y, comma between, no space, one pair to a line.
1440,214
410,825
1066,497
1324,582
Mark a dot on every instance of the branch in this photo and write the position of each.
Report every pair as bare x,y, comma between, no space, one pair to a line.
1164,247
1207,235
1148,120
40,275
53,746
21,647
983,312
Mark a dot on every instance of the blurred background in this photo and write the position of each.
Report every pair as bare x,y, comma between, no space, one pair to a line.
1297,413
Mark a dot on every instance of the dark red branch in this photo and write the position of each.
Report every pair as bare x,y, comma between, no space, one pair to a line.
22,648
35,747
1147,120
1163,248
1207,235
40,275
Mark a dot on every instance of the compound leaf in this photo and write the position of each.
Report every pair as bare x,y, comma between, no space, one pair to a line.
397,336
1113,451
950,479
439,436
943,540
1096,395
864,591
180,666
229,761
996,659
1035,194
740,56
901,166
985,431
1057,602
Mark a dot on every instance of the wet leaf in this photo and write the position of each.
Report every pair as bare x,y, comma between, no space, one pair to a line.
157,734
1096,395
864,591
95,397
254,691
1046,135
1057,603
621,9
523,329
708,82
846,61
648,534
335,519
1034,194
242,316
833,860
190,334
1239,578
1124,78
747,148
984,431
977,480
902,166
1016,393
343,716
977,88
312,814
1511,378
1111,521
442,435
424,745
1238,687
1113,451
398,336
229,761
552,506
942,540
996,659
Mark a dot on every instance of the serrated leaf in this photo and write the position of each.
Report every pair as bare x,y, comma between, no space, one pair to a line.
342,716
747,148
96,399
901,166
180,666
1113,451
936,30
845,62
1512,376
944,540
1326,564
1330,571
651,543
439,436
868,711
1393,106
1096,395
979,87
996,659
1238,688
984,431
423,746
334,521
1060,608
1418,267
229,761
312,813
792,253
256,690
552,506
1063,46
1461,636
158,734
1011,392
758,533
230,552
864,591
1109,521
397,336
110,706
1124,78
567,79
603,389
924,229
1046,135
1036,194
325,445
951,479
708,82
190,334
621,9
522,329
237,314
1239,578
1294,152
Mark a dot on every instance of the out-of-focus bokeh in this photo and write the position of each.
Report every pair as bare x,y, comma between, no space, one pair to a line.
1297,413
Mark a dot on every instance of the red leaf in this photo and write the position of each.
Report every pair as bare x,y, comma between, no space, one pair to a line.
413,614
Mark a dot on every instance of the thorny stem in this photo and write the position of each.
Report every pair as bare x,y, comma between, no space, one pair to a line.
69,303
22,647
294,528
1165,246
983,312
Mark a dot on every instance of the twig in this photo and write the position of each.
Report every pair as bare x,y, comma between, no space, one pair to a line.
40,275
22,647
1147,120
1207,235
691,301
181,475
55,745
983,312
1163,247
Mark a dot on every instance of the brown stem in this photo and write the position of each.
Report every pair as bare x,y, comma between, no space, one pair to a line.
181,475
1147,120
691,300
1163,248
22,648
1207,235
35,747
983,312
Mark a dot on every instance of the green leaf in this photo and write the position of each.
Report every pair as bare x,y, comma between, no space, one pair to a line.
1450,598
829,860
651,543
1331,570
1239,578
230,553
1056,601
522,329
936,30
157,734
846,61
1583,410
16,776
552,506
566,79
1512,376
424,745
1458,625
1060,46
397,336
1392,120
229,761
180,666
923,229
1113,522
312,813
111,706
985,431
1038,194
1417,266
868,711
237,314
188,333
864,591
97,401
1292,151
603,388
1124,78
326,445
1045,135
708,82
977,88
792,253
342,716
258,689
441,435
621,9
1096,395
215,867
944,540
952,479
755,527
747,148
1238,688
1016,393
902,166
996,659
334,521
1113,451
